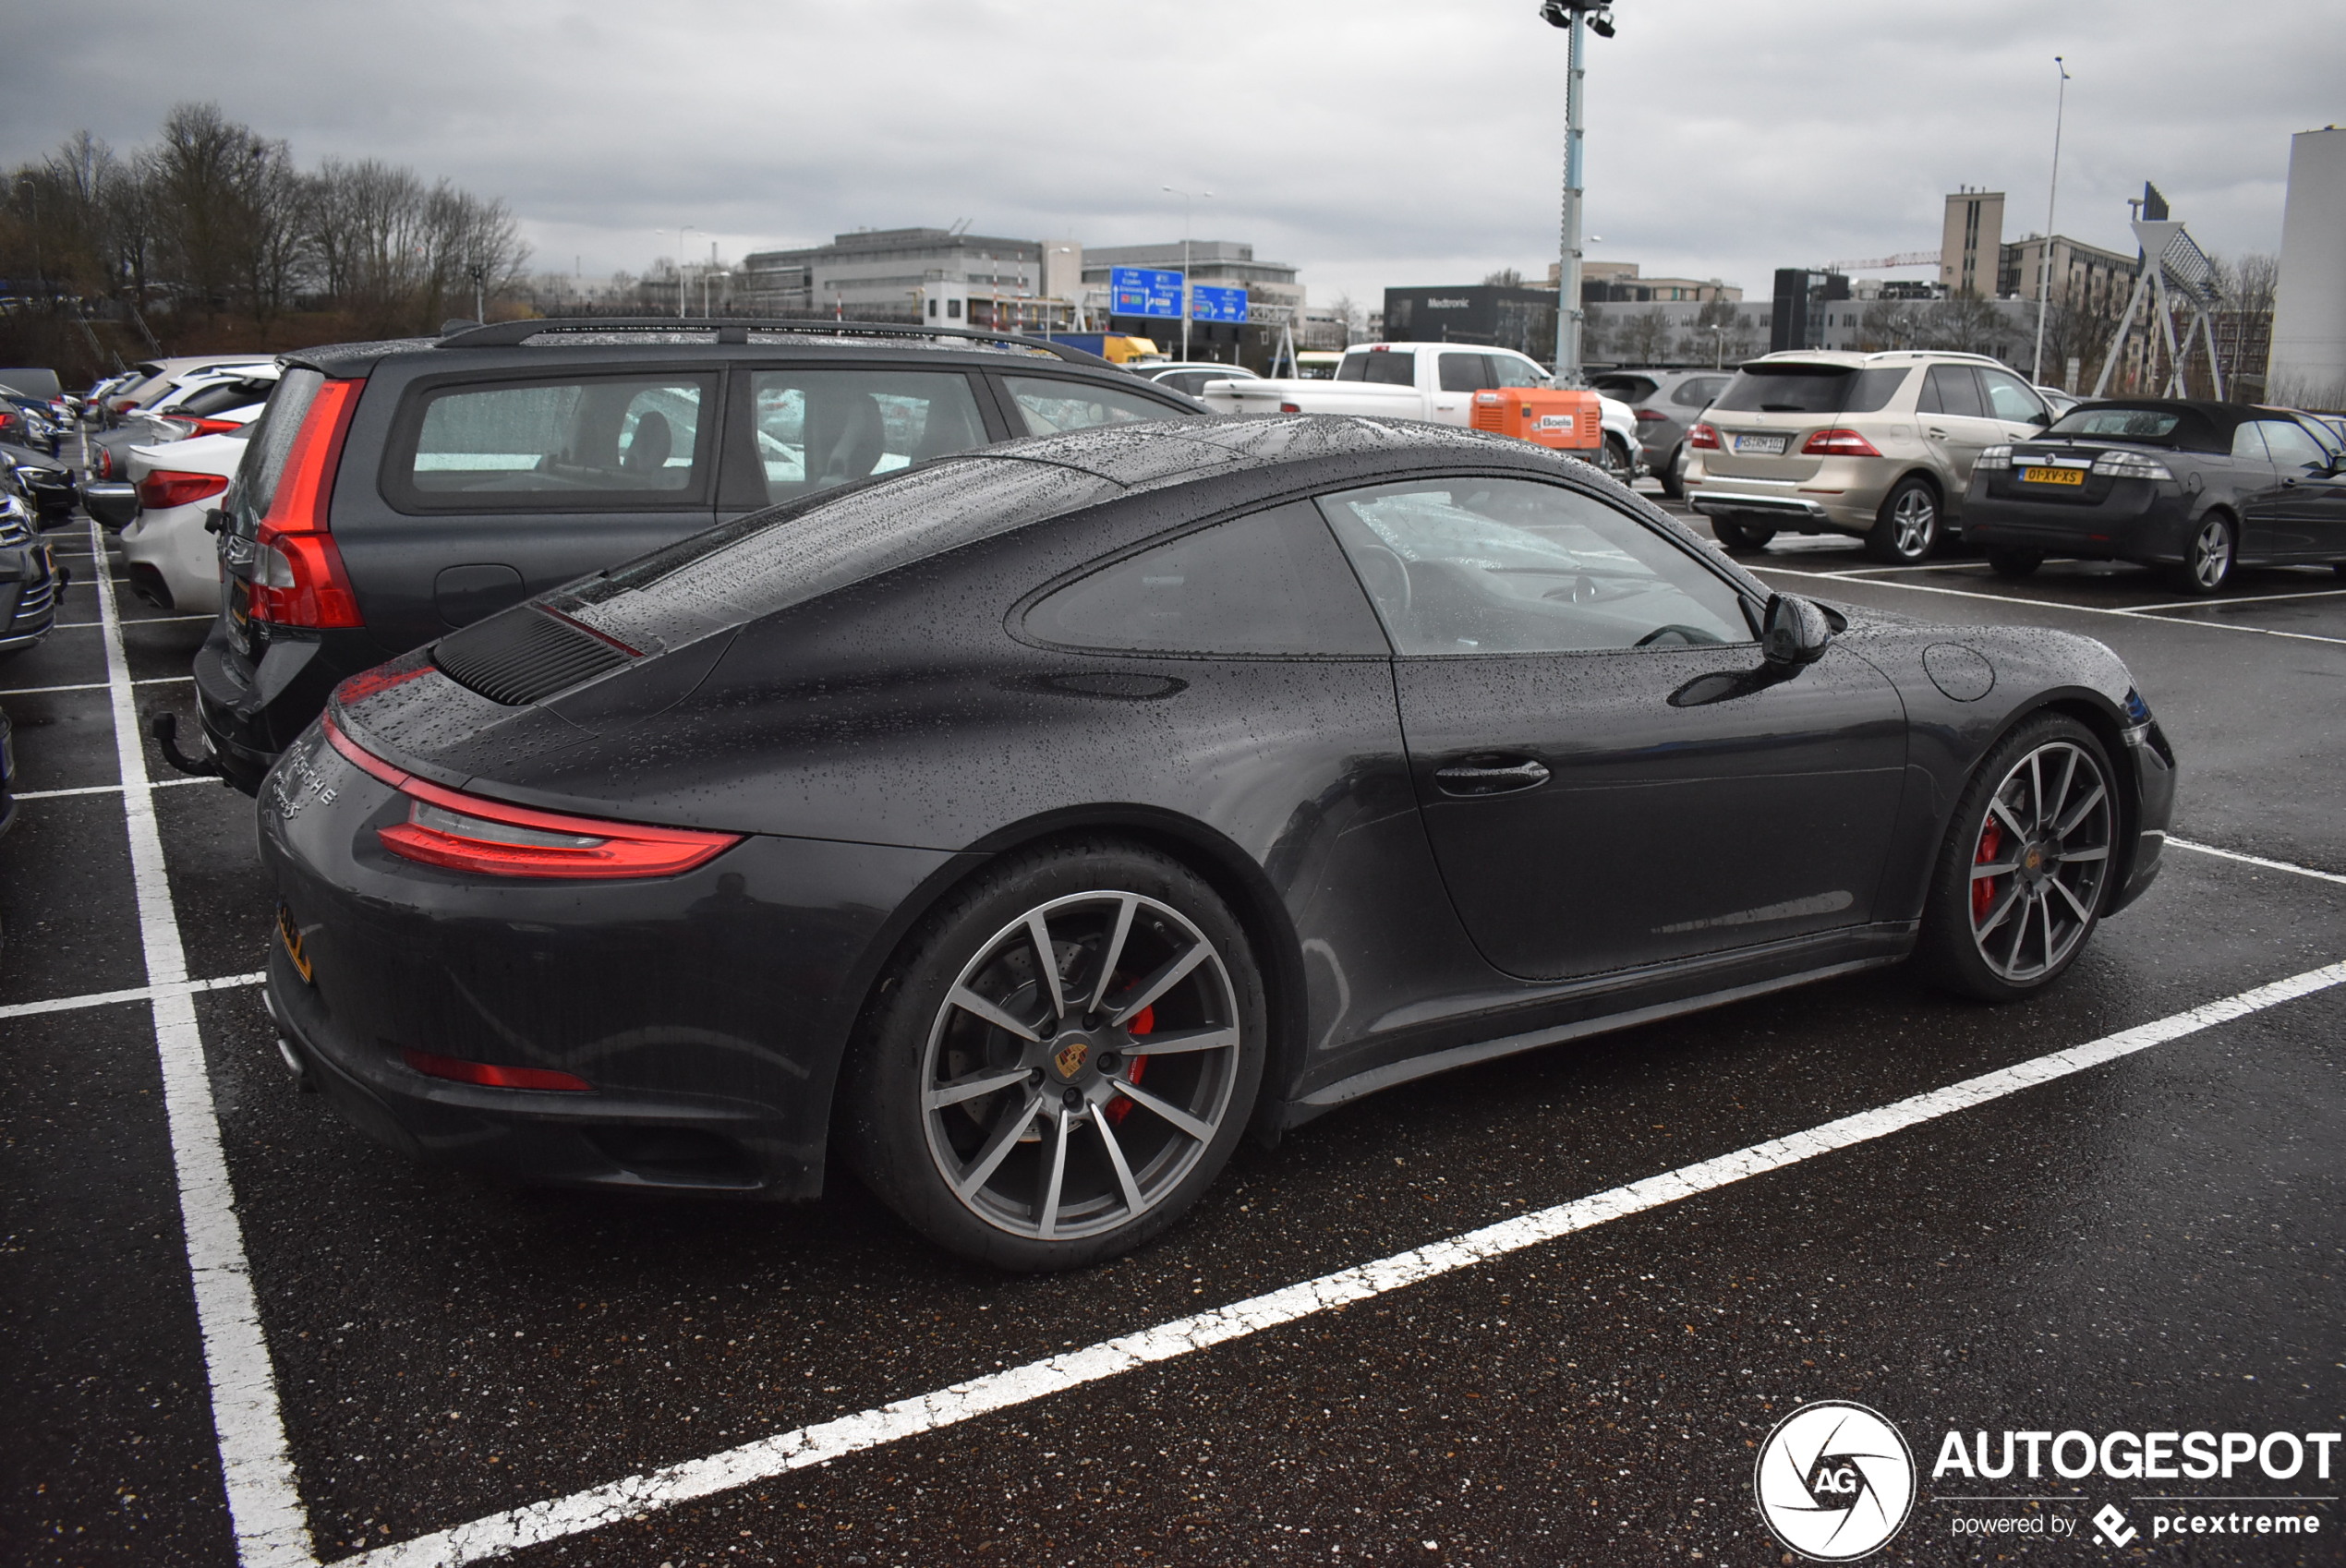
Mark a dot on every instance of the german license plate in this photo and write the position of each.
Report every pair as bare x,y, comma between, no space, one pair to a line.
1765,446
2053,475
290,935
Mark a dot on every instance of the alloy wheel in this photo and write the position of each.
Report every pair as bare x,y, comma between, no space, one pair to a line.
1080,1066
2211,555
2038,863
1915,520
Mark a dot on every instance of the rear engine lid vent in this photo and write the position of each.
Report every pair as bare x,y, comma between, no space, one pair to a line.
524,655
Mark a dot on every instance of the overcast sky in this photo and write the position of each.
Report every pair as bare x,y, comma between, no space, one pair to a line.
1370,142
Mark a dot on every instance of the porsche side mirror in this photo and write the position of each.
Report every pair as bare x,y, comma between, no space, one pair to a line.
1797,632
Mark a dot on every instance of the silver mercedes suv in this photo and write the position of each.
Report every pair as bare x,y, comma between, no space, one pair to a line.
1878,445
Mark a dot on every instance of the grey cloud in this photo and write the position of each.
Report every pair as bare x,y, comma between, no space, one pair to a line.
1369,141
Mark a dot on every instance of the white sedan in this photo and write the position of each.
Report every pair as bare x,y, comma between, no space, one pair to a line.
173,560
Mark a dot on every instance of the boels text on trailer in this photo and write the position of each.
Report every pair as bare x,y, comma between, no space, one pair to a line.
1562,419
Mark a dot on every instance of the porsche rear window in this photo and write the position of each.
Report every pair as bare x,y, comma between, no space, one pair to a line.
769,560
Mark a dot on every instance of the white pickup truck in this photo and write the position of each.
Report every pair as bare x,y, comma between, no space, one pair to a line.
1417,380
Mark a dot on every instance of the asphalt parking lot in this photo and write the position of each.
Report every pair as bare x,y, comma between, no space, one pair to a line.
236,1328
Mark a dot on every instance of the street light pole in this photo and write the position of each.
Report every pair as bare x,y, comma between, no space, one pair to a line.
1570,15
2053,189
1185,197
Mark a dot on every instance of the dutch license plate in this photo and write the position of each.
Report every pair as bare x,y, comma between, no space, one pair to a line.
1765,446
2053,475
290,935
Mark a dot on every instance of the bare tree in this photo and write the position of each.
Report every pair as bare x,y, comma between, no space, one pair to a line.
1347,316
1506,277
1644,338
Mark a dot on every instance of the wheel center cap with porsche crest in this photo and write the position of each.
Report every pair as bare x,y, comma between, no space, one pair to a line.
1070,1057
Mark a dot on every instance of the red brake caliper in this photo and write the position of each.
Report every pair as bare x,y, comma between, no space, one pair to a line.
1983,888
1120,1107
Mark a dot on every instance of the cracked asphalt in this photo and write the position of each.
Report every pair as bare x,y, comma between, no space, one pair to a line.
2151,1244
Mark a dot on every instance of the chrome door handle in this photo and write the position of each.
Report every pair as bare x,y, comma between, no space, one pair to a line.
1499,777
1936,435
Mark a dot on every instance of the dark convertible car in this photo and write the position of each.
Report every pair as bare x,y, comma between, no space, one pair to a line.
1036,822
2193,487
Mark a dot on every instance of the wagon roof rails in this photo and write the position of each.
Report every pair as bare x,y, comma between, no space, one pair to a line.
736,329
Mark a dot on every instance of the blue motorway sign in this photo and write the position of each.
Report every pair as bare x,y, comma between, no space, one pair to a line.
1143,291
1209,303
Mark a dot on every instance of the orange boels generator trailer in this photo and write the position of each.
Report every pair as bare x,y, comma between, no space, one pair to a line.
1566,421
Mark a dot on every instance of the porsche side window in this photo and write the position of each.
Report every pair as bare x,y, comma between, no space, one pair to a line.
1050,405
1482,566
815,429
1273,583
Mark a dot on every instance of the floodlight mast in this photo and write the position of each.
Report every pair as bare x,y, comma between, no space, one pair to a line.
1569,15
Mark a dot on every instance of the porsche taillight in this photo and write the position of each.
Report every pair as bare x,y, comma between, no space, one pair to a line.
298,577
459,832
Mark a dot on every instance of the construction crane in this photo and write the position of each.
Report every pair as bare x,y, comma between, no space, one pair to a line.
1880,263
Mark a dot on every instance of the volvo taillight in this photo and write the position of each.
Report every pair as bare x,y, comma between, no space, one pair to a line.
173,486
459,832
1837,443
298,575
1702,438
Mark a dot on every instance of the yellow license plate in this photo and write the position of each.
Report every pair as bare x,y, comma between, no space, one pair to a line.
2053,475
290,935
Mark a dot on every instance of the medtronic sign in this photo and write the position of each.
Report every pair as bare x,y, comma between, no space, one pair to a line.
1144,291
1208,304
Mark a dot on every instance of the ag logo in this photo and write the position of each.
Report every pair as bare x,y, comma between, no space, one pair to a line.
1835,1480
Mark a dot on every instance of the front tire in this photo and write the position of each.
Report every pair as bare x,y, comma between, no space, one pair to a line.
2208,560
1041,1115
2024,872
1906,528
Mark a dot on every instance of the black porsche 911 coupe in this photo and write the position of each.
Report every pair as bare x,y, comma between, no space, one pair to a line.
1036,822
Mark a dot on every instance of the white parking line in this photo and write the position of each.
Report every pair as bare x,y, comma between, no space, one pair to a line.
2042,604
264,1504
2242,599
109,788
784,1451
91,686
135,994
2173,842
141,620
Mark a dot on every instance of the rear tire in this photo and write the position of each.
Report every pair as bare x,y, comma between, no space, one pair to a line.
2208,560
2014,564
1907,526
1736,538
1615,459
2024,872
1667,473
1040,1147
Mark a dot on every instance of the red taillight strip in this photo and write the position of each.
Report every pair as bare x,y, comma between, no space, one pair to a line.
364,761
489,1075
598,636
626,848
296,527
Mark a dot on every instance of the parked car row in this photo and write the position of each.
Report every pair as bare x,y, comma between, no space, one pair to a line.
1054,734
